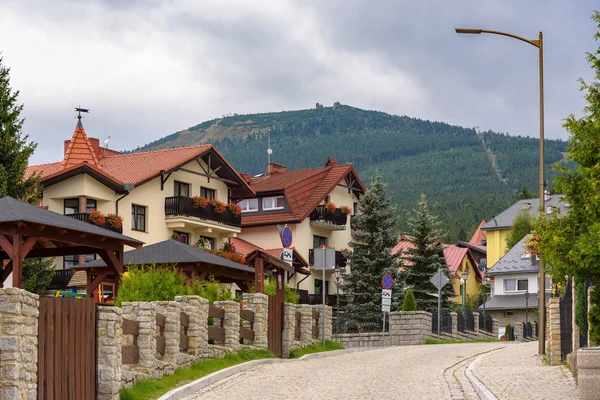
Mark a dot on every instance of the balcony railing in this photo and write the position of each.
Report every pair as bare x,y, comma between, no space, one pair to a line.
336,217
85,217
61,279
184,206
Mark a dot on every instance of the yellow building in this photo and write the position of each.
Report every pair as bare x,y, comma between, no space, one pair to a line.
151,192
459,260
301,200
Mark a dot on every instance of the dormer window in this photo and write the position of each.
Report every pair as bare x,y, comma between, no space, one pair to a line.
248,205
272,203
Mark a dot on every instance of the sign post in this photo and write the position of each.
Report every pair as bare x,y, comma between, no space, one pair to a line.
439,280
386,300
326,261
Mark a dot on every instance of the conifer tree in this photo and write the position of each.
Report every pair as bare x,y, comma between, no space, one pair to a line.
372,254
409,303
424,257
15,149
522,225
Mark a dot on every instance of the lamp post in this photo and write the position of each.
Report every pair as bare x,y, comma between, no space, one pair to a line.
540,46
463,280
338,277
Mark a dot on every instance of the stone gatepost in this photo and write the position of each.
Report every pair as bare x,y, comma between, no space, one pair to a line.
109,339
19,311
231,323
289,320
495,326
475,322
171,311
305,324
145,314
454,328
259,303
328,321
196,308
588,373
553,329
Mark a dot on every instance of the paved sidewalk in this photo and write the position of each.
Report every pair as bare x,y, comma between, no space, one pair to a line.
516,372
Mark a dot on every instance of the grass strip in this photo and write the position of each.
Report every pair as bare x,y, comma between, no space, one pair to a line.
316,348
453,341
154,388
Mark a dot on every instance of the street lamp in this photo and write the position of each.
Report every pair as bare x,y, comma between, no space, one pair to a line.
540,45
338,277
463,280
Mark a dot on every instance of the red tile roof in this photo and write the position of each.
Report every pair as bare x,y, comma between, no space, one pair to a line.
479,235
80,149
245,247
303,189
454,256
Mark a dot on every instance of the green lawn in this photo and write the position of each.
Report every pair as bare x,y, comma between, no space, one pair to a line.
452,341
316,348
154,388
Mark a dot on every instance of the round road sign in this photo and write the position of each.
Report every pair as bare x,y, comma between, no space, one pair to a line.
286,237
387,282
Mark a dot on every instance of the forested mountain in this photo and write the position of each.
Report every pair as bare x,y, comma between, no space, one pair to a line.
467,176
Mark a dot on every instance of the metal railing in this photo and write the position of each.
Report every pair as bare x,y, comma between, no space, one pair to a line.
184,206
339,257
61,279
336,217
85,217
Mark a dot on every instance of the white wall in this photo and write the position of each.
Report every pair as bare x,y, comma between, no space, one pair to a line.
532,283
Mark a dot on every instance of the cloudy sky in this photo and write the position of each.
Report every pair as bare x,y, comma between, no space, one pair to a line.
150,68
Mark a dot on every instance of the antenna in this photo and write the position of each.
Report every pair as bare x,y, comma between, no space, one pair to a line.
106,142
269,150
80,110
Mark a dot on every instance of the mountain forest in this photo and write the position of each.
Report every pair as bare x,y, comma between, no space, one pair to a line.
466,175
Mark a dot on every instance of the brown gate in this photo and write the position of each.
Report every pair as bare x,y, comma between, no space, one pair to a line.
275,327
67,348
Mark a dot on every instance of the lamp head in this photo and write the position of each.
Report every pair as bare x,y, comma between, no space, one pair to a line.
338,273
465,275
470,31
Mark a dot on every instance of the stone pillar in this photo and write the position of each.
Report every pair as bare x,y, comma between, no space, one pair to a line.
589,294
328,322
305,324
553,329
518,330
475,321
231,323
495,326
588,373
19,311
289,320
259,303
109,338
196,308
171,310
145,314
454,322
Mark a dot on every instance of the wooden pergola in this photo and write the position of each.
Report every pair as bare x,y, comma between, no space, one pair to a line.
264,261
29,231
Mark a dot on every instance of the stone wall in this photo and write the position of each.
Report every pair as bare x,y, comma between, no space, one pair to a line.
196,308
170,360
109,339
19,311
553,332
231,323
259,303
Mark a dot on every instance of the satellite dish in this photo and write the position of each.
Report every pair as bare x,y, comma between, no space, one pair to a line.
269,151
106,141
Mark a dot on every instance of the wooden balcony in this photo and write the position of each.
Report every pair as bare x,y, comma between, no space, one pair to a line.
335,220
85,217
180,212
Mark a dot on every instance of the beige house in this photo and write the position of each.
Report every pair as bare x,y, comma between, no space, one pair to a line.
151,191
299,199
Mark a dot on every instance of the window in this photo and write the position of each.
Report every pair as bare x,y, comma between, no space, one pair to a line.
515,285
90,205
327,199
182,189
72,206
210,240
208,193
272,203
319,285
248,205
319,241
138,218
183,237
70,261
355,209
508,313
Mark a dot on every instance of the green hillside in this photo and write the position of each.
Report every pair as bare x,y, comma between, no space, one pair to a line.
448,163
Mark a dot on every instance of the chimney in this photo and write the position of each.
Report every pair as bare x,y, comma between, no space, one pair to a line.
95,146
274,168
525,206
67,142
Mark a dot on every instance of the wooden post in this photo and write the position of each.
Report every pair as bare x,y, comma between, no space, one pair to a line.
259,276
17,260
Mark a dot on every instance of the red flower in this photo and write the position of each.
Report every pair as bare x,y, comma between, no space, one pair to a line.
114,220
219,206
97,218
345,210
200,202
330,207
234,209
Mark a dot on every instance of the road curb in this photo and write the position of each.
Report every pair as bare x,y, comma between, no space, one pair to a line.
189,388
482,390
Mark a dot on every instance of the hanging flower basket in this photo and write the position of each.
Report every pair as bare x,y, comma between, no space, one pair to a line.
345,210
97,218
234,209
200,202
114,220
330,207
219,206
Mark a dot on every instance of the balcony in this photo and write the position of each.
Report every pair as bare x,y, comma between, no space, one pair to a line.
312,299
61,279
85,217
335,220
180,213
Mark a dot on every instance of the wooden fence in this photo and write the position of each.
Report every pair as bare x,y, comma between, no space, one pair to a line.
216,332
161,341
315,327
247,333
131,353
184,324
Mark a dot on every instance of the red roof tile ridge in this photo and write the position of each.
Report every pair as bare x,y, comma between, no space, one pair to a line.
201,146
80,138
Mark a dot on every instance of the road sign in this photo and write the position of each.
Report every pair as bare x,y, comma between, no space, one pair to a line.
324,263
386,302
385,308
387,281
287,255
386,293
439,279
286,237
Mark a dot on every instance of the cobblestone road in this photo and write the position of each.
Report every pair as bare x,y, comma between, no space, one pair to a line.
409,372
517,372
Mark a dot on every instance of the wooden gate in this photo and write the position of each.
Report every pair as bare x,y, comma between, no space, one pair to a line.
566,322
67,348
275,326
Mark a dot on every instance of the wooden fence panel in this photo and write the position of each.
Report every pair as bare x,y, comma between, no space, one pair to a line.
315,327
66,348
161,342
275,326
297,325
184,324
247,333
131,353
216,332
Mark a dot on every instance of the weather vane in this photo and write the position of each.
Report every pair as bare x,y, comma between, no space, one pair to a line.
79,110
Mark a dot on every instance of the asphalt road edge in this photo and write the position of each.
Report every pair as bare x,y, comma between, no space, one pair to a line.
482,390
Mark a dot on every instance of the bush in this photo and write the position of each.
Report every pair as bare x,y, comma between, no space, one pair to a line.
291,296
151,283
211,289
409,303
594,316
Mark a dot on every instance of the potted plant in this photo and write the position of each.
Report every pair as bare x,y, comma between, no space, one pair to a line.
114,220
330,207
200,202
345,210
219,206
234,209
97,218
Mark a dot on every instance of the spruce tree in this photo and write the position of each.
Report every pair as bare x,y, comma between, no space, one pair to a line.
15,149
372,256
409,303
423,259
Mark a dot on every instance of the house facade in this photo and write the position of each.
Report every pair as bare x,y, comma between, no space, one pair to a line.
460,260
316,204
152,192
